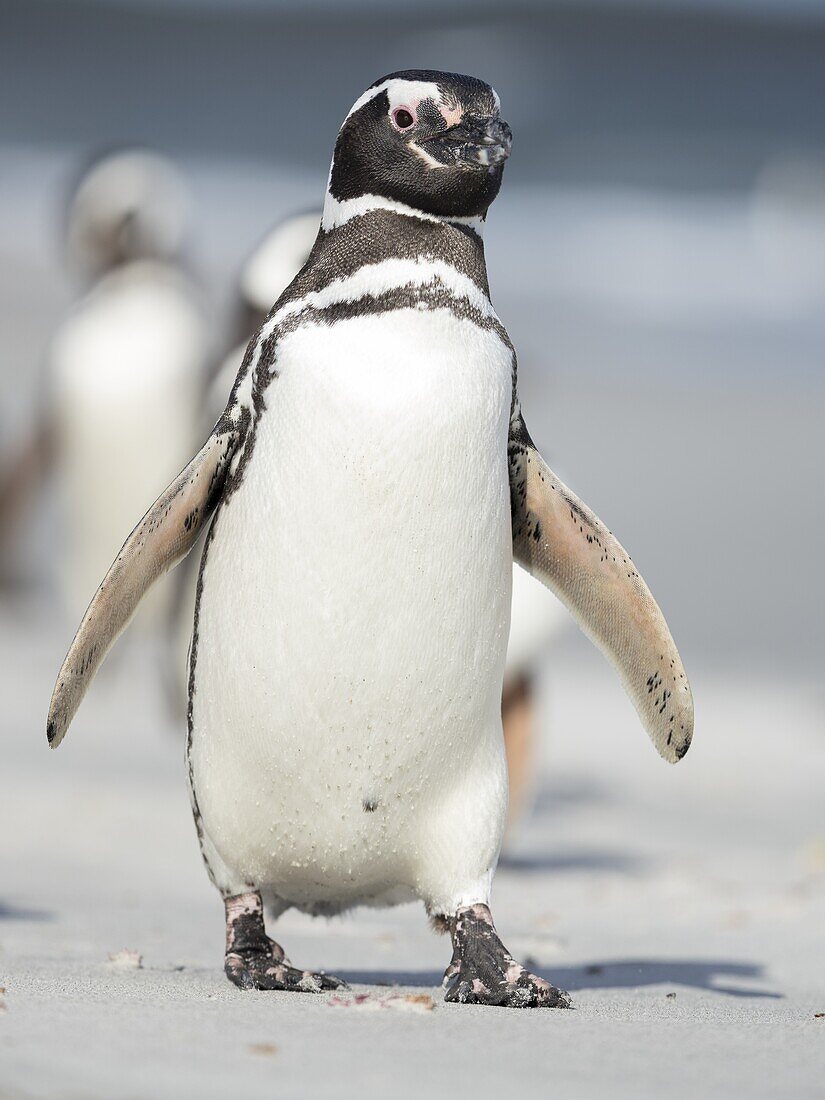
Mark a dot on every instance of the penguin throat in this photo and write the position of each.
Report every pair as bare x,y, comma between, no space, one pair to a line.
338,212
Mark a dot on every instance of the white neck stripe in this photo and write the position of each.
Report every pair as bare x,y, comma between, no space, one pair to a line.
339,211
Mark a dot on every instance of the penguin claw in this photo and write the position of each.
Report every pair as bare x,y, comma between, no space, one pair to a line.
258,970
529,991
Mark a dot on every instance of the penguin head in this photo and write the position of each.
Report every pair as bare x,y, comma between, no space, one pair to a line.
433,141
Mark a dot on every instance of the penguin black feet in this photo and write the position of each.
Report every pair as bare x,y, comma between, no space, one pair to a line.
254,961
483,972
260,970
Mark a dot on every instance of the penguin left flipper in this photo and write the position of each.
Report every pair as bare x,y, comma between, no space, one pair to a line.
165,535
558,539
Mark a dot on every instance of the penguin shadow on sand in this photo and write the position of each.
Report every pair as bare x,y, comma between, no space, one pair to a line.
11,912
556,796
715,975
584,859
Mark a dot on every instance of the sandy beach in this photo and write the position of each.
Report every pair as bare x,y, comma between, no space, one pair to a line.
657,257
681,907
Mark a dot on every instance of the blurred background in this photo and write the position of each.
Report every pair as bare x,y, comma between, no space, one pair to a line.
658,251
658,256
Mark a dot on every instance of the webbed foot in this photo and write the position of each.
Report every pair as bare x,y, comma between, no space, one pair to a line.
254,961
260,970
483,972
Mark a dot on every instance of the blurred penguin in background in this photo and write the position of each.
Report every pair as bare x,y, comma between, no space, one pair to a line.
537,616
126,367
264,277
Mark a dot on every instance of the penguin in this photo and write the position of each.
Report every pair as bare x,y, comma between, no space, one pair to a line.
126,366
366,488
536,617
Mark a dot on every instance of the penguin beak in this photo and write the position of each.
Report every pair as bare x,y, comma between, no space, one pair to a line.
475,143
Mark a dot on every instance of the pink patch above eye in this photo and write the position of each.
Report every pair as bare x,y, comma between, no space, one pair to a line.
403,117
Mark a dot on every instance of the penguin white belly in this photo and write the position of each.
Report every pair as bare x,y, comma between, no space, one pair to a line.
353,622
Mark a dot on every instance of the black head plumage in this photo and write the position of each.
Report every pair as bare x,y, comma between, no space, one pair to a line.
433,141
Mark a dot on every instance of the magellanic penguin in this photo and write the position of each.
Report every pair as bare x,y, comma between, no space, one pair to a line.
372,477
126,366
536,617
123,371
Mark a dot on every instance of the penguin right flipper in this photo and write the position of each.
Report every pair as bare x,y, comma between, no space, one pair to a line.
165,535
558,539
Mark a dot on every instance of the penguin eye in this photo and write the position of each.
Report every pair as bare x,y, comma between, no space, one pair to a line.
402,118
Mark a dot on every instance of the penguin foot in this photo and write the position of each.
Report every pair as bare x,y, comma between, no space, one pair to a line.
264,970
254,961
483,972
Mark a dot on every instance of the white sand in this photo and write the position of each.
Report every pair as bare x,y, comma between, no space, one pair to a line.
682,907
